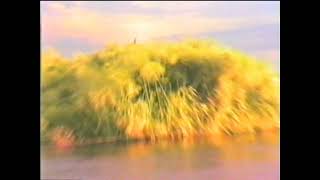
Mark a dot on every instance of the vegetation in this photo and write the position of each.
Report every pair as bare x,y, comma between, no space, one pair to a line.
156,90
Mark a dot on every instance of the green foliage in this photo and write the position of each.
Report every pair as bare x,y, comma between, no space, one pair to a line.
153,91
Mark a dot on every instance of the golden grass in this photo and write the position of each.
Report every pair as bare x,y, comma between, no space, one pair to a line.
159,90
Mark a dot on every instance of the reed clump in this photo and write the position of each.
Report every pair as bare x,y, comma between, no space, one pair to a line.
157,90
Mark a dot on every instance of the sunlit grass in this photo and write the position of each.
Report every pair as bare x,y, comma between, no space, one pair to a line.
157,91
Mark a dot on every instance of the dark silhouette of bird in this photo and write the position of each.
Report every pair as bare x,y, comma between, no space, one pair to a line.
134,41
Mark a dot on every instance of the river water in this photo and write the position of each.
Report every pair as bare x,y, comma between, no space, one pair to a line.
248,158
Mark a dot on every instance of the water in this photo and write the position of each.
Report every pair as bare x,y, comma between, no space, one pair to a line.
220,159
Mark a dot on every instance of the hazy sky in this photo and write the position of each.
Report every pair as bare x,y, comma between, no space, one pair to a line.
250,26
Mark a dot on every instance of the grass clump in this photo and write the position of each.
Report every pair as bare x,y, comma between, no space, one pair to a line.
156,90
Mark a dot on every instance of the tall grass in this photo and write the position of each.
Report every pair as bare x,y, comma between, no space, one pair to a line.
157,90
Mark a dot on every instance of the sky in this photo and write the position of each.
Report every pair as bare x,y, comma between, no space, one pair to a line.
73,27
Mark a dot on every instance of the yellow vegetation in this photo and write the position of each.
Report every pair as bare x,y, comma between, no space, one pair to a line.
159,90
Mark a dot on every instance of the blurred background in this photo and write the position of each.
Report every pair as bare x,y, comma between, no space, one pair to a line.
86,27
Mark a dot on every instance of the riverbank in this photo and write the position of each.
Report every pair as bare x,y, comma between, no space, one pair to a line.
270,136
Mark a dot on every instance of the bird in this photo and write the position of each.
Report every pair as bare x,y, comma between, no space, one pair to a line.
134,41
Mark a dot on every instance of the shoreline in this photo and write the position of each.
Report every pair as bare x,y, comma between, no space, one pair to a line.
274,133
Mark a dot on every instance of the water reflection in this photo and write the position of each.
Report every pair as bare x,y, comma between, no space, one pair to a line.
246,157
